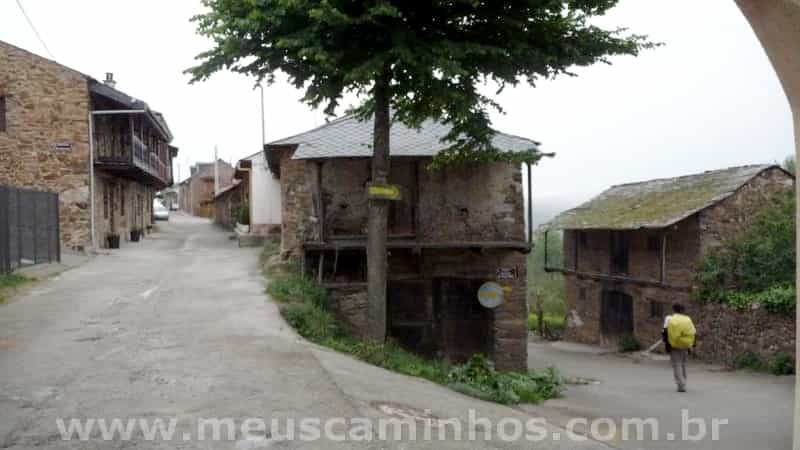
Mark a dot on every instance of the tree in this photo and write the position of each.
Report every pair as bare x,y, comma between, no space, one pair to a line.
408,61
789,164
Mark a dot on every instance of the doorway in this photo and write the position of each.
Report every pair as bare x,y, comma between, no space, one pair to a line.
616,315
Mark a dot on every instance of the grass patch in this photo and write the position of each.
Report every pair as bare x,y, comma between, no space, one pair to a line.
9,283
303,304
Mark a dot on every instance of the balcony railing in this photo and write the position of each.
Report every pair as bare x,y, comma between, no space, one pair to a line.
114,152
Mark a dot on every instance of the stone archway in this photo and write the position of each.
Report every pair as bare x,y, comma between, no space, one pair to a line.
777,25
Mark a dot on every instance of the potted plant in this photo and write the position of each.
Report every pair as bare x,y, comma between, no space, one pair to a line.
113,240
136,233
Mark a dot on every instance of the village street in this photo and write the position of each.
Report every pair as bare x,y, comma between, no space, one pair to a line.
758,407
178,326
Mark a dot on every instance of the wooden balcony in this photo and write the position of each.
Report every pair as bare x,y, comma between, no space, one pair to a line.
122,152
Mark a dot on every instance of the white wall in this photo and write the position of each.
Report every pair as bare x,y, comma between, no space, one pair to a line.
265,194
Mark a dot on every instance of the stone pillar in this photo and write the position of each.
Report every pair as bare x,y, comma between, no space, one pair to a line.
777,25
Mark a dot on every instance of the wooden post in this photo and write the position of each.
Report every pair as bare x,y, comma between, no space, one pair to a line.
663,257
377,260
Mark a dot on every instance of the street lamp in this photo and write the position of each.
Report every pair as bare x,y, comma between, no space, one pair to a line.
263,131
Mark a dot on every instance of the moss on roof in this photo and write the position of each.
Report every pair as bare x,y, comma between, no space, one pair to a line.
656,203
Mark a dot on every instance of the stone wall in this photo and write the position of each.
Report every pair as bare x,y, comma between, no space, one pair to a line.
724,333
480,203
296,204
47,105
474,204
506,337
200,195
226,207
644,261
735,213
120,205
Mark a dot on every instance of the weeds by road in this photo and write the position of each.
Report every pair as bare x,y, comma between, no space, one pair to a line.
9,283
303,303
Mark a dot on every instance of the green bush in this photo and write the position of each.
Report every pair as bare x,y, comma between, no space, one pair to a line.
478,378
758,265
243,215
302,303
749,361
782,364
628,344
551,321
544,287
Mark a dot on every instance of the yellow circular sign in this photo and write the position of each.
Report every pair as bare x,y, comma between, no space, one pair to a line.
490,294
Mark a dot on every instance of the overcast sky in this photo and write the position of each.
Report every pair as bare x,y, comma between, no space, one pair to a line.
707,99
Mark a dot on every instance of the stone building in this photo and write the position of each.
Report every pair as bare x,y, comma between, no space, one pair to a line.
452,230
632,252
197,192
63,131
227,203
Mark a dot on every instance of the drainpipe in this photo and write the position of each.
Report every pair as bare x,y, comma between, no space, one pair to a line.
91,181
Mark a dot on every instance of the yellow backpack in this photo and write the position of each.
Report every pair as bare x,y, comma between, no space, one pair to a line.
681,332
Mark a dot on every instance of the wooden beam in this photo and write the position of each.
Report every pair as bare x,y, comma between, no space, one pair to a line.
617,278
358,244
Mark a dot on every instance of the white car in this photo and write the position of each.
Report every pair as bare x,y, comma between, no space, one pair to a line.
160,212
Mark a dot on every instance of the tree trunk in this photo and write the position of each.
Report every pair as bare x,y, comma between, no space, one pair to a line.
378,215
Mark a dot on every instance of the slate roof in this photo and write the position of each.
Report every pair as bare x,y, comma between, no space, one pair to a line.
129,102
656,203
349,137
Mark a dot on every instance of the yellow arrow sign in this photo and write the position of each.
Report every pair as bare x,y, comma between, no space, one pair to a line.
384,191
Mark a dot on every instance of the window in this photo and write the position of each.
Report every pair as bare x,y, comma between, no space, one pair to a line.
583,239
654,244
657,309
2,114
620,243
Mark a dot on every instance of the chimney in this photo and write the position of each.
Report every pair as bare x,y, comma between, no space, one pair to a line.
109,81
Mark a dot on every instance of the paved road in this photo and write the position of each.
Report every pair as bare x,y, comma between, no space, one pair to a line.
759,408
178,327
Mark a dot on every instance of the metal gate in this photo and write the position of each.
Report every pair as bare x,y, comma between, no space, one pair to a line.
29,230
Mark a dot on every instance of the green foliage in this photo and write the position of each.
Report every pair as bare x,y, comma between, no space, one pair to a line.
779,364
552,322
478,378
302,304
782,364
295,287
790,165
243,215
749,361
756,266
628,344
547,288
432,56
10,282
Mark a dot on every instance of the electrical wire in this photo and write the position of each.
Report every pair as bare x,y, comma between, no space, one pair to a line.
35,31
